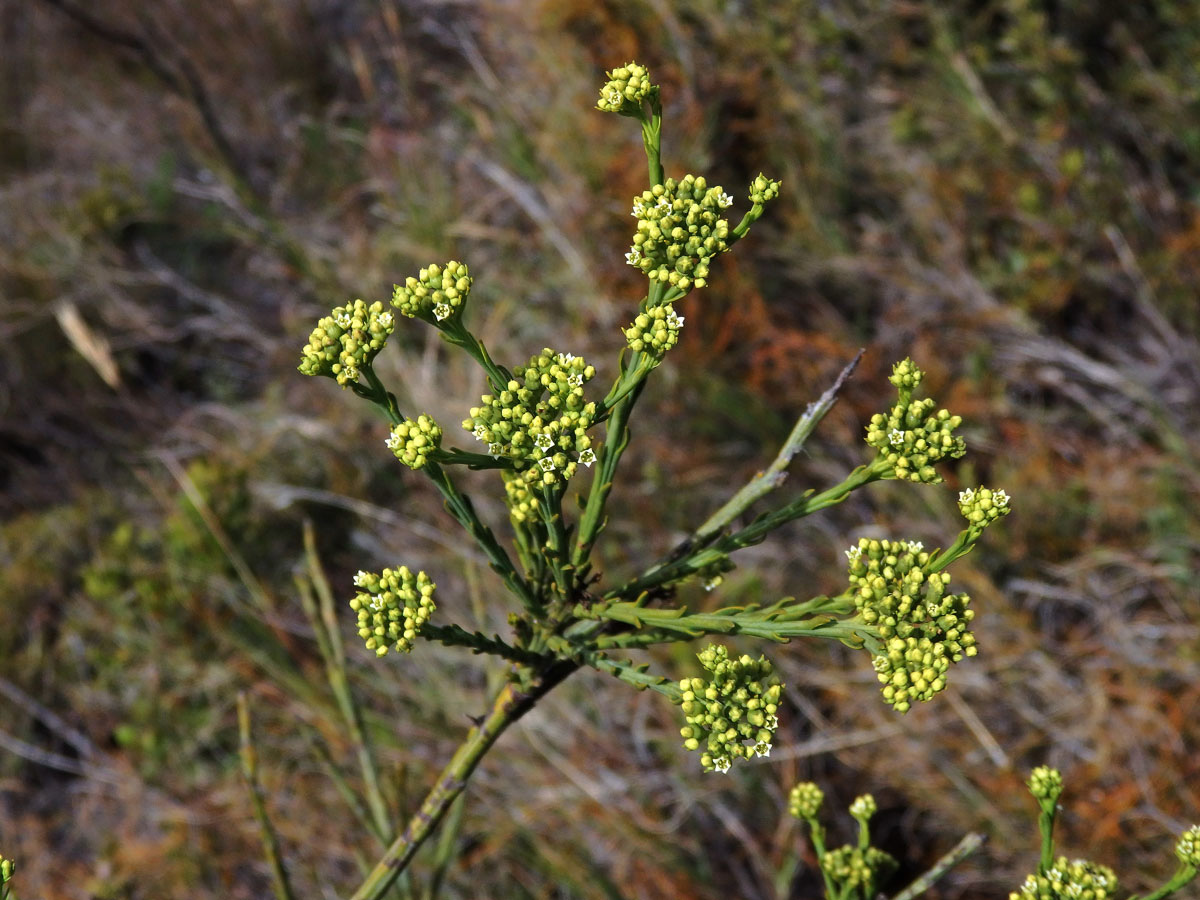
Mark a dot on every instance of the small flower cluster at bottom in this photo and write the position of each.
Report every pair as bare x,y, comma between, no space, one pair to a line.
392,606
1069,880
853,870
734,714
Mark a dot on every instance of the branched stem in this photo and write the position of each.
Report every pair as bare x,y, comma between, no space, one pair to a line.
460,506
509,705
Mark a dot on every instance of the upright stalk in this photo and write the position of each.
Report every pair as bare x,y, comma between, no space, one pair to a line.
512,702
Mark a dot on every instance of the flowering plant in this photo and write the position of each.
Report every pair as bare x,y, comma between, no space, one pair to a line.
548,435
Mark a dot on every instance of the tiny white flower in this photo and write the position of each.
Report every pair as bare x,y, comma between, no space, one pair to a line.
639,209
342,319
771,723
879,663
1000,499
615,98
721,764
393,441
575,380
384,319
547,463
674,320
663,203
376,603
896,437
762,748
480,432
360,578
587,457
441,311
494,448
853,554
543,441
633,257
724,201
566,359
350,371
915,546
967,496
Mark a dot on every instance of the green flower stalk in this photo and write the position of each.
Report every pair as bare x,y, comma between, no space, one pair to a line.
437,293
733,715
347,341
679,229
392,606
911,438
415,442
540,421
1069,880
923,629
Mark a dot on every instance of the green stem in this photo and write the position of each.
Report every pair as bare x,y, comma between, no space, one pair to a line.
456,333
774,475
557,552
460,506
635,675
677,567
379,395
1182,877
1046,828
652,141
616,439
964,848
270,841
510,704
760,624
457,636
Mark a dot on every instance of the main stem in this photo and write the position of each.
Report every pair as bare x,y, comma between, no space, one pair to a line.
512,702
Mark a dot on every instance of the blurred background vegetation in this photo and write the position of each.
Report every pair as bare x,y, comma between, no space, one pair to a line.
1006,190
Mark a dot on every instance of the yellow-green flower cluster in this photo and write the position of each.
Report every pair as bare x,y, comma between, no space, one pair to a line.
679,230
912,437
733,714
1046,785
861,869
655,331
413,441
625,90
347,339
392,606
763,190
982,506
923,629
7,868
1069,880
521,501
437,293
1188,848
540,420
804,801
